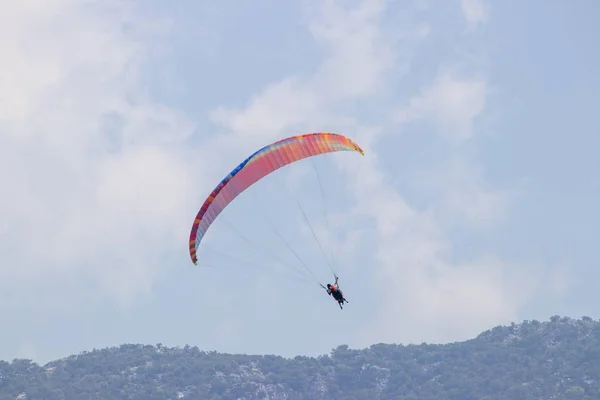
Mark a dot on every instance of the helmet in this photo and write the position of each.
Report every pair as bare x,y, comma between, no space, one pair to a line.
329,286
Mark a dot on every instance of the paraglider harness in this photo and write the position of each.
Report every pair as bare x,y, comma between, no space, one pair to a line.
334,290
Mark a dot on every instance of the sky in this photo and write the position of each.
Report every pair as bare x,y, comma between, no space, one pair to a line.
474,205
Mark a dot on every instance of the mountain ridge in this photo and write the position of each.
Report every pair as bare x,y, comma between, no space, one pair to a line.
554,359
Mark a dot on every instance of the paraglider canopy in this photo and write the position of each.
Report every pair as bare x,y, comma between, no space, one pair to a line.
260,164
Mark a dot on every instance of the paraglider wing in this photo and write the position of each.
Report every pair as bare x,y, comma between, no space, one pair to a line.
266,160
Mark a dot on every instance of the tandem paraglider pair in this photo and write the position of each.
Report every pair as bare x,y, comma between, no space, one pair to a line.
257,166
338,295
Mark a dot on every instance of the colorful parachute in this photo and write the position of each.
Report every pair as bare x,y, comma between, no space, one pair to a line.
259,165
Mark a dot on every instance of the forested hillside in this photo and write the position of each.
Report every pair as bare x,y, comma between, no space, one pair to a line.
556,359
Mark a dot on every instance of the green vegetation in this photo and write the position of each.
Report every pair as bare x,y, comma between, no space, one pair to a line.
557,359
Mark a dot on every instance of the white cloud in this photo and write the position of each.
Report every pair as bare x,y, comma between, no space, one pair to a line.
424,294
450,102
85,155
358,59
475,12
449,106
359,56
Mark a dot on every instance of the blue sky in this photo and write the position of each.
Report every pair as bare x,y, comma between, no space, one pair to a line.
474,205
